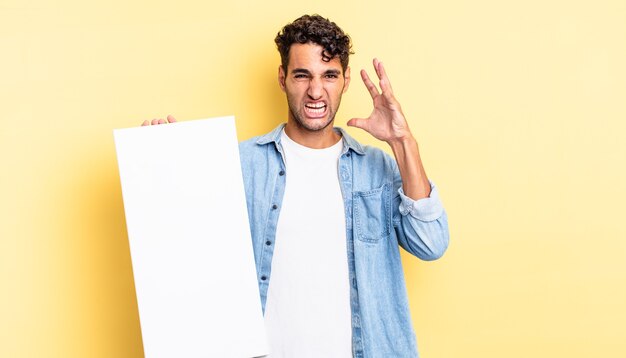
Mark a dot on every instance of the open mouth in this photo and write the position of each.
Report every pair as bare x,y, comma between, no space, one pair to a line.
315,109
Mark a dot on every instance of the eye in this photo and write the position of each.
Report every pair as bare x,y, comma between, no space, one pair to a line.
300,76
331,76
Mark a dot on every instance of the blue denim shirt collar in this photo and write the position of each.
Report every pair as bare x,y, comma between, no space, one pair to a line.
348,142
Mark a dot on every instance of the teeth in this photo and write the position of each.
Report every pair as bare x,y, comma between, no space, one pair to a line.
315,110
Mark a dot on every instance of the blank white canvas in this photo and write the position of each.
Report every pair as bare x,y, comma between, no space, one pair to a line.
190,242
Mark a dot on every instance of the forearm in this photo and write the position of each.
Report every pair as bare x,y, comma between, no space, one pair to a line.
414,181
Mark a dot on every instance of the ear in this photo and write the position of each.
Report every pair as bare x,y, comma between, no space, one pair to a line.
346,77
281,77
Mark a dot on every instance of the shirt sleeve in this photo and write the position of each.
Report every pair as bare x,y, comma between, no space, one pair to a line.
422,225
425,209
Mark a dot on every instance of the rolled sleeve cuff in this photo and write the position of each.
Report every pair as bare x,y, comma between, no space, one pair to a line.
425,209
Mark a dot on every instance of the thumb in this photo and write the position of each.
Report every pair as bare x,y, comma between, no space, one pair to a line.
359,123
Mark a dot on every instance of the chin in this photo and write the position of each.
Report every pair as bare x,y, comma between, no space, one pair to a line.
316,124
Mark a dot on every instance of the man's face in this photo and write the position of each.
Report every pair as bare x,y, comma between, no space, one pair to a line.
313,87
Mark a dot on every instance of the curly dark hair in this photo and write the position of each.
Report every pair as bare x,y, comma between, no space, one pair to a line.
318,30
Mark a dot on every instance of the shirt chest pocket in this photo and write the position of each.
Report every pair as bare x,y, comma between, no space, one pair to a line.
372,214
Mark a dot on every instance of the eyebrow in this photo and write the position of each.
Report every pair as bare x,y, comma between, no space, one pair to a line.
332,72
301,71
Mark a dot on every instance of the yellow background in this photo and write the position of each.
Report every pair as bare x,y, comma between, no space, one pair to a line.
519,109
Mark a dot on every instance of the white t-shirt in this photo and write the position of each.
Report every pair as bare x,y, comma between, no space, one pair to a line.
307,312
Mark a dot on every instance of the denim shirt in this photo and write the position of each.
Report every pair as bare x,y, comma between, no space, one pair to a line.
379,217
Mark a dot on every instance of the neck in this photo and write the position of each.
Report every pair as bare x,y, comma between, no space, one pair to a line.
323,138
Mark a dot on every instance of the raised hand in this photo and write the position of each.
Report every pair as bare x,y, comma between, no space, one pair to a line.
387,122
170,119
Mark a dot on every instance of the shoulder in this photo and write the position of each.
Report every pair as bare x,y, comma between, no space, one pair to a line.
258,153
252,153
376,157
375,153
249,145
372,167
262,142
366,153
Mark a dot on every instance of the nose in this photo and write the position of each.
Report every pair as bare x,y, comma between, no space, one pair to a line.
316,88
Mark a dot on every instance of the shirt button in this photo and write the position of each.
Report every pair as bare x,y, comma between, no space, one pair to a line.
281,173
268,243
263,278
347,154
274,207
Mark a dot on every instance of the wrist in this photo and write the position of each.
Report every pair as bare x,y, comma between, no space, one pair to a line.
402,142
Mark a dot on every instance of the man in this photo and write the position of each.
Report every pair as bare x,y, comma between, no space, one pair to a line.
327,214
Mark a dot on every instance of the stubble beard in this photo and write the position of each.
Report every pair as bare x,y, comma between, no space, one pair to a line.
301,123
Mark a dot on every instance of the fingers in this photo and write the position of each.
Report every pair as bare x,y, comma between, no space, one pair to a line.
377,64
383,81
155,121
359,123
371,87
385,84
